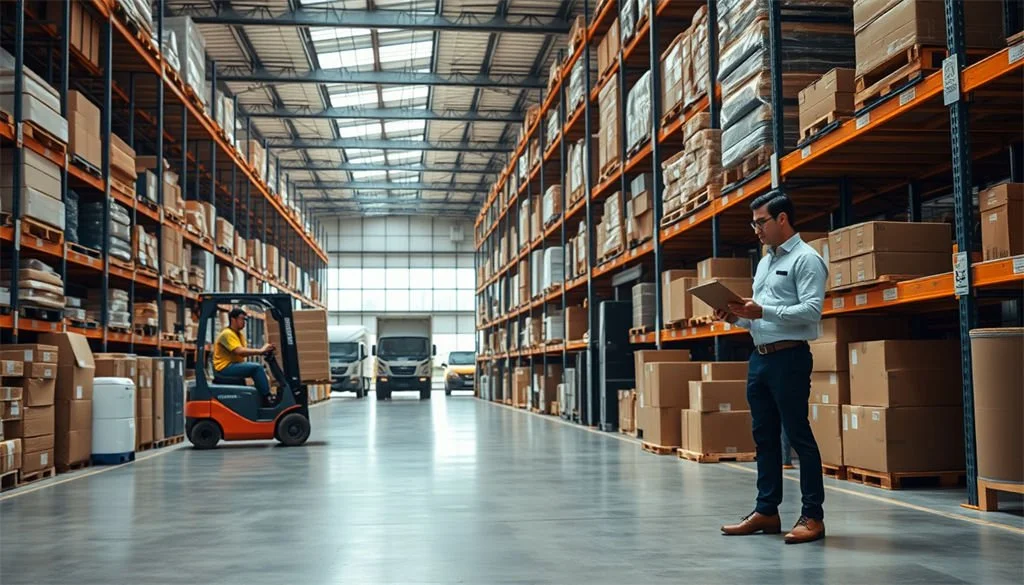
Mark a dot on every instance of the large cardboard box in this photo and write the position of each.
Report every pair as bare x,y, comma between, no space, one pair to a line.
76,367
717,371
867,267
39,391
717,432
311,343
665,384
711,268
575,323
84,129
886,27
29,353
831,93
675,301
826,425
890,236
905,373
644,356
998,402
830,388
116,365
1002,220
37,172
10,455
720,396
829,356
225,234
35,205
11,368
926,438
845,330
158,400
627,410
660,426
35,421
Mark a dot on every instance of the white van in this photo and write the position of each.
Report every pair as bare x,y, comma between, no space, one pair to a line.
350,370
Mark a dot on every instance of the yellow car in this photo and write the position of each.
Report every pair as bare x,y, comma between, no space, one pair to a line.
459,371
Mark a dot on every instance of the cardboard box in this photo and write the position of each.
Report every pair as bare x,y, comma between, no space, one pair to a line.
575,323
998,402
926,438
718,371
645,356
839,273
76,367
829,356
867,267
11,368
116,365
37,172
675,301
830,388
720,396
225,234
660,426
898,236
29,353
39,391
35,205
311,342
72,447
832,92
122,160
665,384
10,455
846,330
826,425
905,373
723,268
820,246
39,370
627,410
32,461
1002,231
717,432
11,409
35,422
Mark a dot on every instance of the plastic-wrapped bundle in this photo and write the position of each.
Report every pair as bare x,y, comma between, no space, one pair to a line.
552,126
627,19
71,217
638,112
139,13
577,176
169,47
552,203
613,225
75,302
76,314
576,85
191,52
39,284
90,219
734,16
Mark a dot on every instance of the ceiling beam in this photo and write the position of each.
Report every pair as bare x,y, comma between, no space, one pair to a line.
349,113
373,19
387,186
242,73
388,144
436,167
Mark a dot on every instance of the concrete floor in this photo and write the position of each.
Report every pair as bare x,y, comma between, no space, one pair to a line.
462,491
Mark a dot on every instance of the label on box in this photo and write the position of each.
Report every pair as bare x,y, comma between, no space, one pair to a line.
890,294
908,96
44,458
727,326
861,299
824,398
846,425
960,268
724,406
725,200
839,303
14,408
814,412
853,357
875,416
730,449
853,421
78,392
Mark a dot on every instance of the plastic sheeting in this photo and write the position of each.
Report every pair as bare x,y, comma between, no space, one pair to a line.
90,220
191,52
638,112
71,217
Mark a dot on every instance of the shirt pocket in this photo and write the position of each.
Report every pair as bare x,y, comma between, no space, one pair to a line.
782,283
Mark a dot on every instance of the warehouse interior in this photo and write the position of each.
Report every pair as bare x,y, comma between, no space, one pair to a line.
472,250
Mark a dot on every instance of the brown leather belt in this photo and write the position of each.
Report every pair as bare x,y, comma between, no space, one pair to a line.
777,346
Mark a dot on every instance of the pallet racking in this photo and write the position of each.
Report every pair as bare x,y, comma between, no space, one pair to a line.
144,98
897,154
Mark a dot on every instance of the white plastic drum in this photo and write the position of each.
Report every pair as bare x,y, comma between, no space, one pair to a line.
113,416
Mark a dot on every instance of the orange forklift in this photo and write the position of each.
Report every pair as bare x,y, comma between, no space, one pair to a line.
221,408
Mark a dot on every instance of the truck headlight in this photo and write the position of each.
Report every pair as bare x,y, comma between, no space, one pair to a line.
382,369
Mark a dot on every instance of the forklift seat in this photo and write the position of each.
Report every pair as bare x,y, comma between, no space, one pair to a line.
228,381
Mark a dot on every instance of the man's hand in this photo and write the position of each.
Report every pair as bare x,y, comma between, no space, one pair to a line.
267,348
724,316
747,310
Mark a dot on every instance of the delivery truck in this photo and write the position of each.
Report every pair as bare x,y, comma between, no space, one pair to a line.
350,370
405,355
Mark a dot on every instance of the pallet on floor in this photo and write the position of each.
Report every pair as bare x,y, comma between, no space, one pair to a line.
716,457
657,449
899,70
554,408
833,471
9,480
79,465
988,494
27,478
901,480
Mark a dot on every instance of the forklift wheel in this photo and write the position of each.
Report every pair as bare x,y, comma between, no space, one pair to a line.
204,434
293,430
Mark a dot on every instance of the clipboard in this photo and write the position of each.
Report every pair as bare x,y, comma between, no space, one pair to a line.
716,295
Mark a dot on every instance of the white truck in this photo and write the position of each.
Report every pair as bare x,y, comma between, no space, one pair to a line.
405,355
350,367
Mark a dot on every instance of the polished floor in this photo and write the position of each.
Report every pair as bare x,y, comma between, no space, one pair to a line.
457,490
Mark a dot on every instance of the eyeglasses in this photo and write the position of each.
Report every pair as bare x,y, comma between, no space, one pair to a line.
760,223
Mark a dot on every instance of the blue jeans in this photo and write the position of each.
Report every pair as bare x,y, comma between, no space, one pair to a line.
778,385
249,370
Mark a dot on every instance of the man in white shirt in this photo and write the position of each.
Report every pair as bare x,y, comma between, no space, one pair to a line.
789,291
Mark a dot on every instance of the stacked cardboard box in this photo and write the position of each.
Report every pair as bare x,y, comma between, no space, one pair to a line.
905,413
702,158
171,321
718,419
608,49
37,380
643,305
1002,232
627,411
40,102
868,251
545,384
10,452
672,171
684,66
609,140
39,188
146,314
256,252
734,273
191,53
272,261
144,402
85,30
610,230
654,424
122,164
676,301
225,235
40,285
84,126
144,247
640,211
521,387
575,323
830,378
828,99
552,206
311,343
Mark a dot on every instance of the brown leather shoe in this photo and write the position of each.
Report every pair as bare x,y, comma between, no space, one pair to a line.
806,530
753,523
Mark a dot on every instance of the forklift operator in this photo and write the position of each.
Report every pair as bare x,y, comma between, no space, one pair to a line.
230,352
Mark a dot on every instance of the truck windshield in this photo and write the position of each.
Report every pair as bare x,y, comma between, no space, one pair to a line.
461,358
345,352
407,348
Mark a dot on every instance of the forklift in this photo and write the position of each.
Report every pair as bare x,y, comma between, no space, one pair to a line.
222,408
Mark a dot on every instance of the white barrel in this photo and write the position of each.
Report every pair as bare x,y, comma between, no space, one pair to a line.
113,416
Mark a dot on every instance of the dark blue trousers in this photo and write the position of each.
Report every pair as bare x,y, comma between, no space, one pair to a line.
778,386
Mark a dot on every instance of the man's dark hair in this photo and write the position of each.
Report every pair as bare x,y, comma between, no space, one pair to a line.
777,202
236,313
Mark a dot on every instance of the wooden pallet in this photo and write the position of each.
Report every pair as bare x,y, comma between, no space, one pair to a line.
692,204
681,324
27,478
148,203
42,231
174,218
833,471
41,314
74,466
640,330
611,255
884,279
900,480
818,126
716,457
129,266
751,166
673,113
988,492
897,71
119,329
86,166
657,449
609,169
146,270
44,137
84,250
170,336
144,447
146,330
123,187
87,324
628,433
701,321
9,480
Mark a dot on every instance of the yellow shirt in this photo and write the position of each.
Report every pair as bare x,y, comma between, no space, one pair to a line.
223,355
